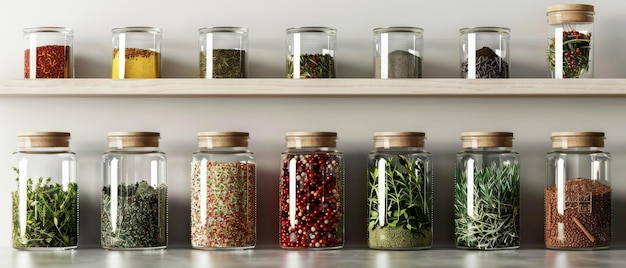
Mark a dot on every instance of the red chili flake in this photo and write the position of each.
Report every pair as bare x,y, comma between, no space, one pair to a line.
52,61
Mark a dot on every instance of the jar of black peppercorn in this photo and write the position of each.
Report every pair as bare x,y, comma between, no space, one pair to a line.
570,41
223,52
485,52
311,192
49,52
578,192
311,52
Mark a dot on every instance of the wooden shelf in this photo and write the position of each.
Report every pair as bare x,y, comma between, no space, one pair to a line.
166,87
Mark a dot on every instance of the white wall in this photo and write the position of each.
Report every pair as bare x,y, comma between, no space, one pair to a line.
179,119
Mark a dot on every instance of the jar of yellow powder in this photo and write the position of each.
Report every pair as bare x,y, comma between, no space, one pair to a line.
136,52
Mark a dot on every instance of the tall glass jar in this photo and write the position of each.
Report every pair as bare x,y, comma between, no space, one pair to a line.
45,203
223,192
578,192
136,52
228,50
50,51
134,193
311,52
399,187
311,192
570,53
398,52
487,192
485,52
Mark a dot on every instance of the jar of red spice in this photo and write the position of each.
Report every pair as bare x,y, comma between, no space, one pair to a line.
223,192
311,52
578,192
48,52
570,53
311,192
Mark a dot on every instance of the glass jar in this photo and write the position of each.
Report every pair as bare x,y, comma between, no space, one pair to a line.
311,195
398,52
136,52
570,53
578,192
134,193
485,52
229,49
312,51
487,192
45,203
400,192
223,192
50,50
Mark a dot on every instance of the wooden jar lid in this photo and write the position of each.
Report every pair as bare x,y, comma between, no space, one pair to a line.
223,139
487,139
43,139
299,140
564,140
570,13
133,139
398,139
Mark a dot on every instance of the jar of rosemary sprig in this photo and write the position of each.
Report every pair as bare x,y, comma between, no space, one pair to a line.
223,52
311,52
485,52
570,40
578,192
45,203
399,174
487,192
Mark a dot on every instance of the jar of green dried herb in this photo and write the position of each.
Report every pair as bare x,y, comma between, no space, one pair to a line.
311,52
136,52
485,52
578,192
570,53
223,52
223,192
399,173
45,202
49,52
133,205
398,52
487,192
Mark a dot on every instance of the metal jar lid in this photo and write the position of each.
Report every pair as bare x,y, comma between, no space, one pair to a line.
564,140
43,139
398,139
223,139
570,13
487,139
299,140
133,139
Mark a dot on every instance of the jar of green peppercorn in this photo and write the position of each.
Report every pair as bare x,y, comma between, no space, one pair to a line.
311,52
399,173
223,52
487,192
49,52
133,204
570,41
45,203
311,192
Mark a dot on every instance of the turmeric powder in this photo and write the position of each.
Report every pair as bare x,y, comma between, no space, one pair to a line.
138,63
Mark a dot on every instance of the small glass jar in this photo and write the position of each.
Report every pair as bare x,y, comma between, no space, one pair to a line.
228,47
570,53
485,52
578,192
398,52
487,192
136,52
133,204
311,192
50,51
311,52
223,192
45,203
399,192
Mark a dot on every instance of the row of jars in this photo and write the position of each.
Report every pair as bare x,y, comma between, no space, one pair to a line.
311,50
311,192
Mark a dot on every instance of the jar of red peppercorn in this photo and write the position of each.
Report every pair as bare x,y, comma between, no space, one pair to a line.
311,52
570,53
48,52
311,195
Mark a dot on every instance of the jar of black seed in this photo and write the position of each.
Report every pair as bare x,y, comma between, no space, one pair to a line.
311,52
485,52
570,41
311,192
398,52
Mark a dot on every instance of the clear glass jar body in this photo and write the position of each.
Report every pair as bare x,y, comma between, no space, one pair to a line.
570,41
45,203
311,52
223,197
311,198
398,52
578,198
487,198
229,49
136,52
134,196
400,198
485,52
49,50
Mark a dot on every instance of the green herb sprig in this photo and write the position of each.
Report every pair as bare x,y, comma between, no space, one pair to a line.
313,66
576,50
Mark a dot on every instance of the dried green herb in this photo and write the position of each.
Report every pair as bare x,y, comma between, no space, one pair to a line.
141,218
51,215
313,66
408,204
227,63
576,50
493,221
